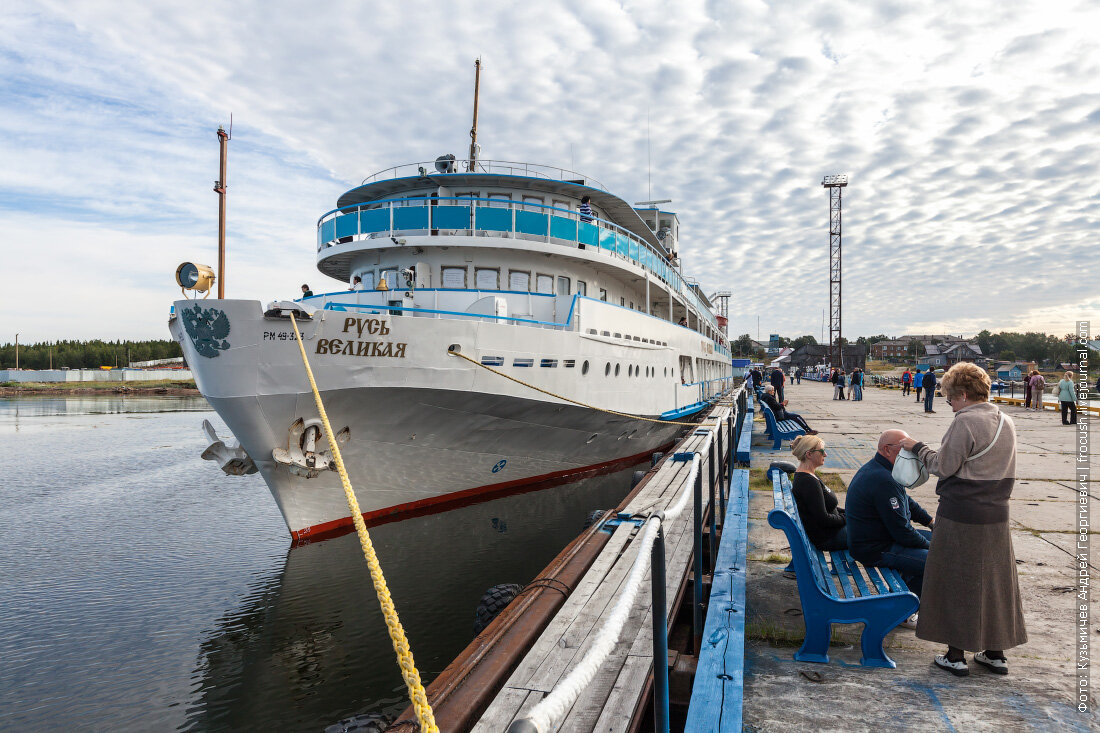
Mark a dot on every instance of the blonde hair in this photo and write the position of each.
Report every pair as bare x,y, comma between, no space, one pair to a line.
967,378
1069,376
803,444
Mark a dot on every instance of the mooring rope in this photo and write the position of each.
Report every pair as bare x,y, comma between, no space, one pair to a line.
475,362
546,715
393,624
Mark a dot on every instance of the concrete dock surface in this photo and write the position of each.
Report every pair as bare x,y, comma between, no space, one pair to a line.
1039,693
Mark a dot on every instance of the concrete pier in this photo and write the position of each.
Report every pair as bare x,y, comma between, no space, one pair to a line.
1040,691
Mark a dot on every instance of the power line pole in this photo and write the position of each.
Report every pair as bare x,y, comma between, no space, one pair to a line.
835,184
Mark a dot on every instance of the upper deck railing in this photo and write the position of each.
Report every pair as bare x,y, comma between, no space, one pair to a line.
502,217
492,167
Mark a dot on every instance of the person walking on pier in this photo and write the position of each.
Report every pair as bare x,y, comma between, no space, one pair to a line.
798,375
818,508
1038,384
971,597
838,384
1067,397
906,382
1027,389
929,389
777,380
918,381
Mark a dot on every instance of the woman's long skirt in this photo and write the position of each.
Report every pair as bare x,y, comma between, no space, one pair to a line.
971,595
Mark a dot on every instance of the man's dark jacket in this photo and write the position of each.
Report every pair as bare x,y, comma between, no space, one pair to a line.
929,382
777,409
880,513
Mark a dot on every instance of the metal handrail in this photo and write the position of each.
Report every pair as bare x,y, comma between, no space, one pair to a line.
497,167
674,279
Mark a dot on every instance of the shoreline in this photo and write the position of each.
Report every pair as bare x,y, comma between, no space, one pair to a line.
167,388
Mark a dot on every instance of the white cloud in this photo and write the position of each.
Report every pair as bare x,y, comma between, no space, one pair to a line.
968,132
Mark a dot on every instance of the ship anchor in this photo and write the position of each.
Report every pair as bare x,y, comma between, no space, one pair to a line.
301,456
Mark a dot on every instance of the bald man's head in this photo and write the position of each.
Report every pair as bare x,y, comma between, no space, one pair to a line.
889,443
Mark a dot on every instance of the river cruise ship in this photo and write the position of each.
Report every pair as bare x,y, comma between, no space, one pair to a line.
487,327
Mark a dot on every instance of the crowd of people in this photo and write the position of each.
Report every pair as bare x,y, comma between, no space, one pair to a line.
962,566
851,381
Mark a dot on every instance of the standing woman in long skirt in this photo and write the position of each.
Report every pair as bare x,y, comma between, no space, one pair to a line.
971,595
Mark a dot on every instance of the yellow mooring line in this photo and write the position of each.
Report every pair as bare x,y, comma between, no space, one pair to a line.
567,399
393,624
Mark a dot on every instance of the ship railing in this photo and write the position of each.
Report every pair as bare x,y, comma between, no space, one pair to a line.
491,167
450,215
337,304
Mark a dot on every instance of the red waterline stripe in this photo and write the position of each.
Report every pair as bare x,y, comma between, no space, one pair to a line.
466,497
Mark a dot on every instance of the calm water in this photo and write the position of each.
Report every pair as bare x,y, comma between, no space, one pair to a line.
141,589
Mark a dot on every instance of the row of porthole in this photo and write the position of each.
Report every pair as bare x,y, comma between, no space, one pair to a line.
632,370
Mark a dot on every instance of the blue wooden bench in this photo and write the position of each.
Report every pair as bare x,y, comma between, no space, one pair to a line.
718,690
743,449
781,430
847,599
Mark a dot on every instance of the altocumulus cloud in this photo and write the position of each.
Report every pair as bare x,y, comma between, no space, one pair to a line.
968,131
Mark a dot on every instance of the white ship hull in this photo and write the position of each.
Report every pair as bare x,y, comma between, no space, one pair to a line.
427,428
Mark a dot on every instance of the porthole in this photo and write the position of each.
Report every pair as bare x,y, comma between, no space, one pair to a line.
637,371
607,369
616,370
630,370
584,367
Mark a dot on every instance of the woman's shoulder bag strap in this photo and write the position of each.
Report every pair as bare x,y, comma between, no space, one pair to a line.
1000,425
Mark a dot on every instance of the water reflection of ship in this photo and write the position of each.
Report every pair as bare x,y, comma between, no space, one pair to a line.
309,646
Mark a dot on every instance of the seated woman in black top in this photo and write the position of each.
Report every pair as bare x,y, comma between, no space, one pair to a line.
818,508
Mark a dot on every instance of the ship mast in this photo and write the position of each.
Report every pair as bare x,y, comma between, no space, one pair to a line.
473,130
219,188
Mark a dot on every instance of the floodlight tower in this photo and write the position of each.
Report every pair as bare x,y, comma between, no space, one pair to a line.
836,348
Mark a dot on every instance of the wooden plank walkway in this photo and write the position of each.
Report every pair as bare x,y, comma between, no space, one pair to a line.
611,701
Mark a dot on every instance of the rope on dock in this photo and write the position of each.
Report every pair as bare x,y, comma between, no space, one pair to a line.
545,716
475,362
419,698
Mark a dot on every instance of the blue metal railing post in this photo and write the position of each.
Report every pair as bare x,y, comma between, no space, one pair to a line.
711,507
660,629
697,590
721,471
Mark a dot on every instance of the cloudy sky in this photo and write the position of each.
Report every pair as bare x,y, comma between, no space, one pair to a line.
969,132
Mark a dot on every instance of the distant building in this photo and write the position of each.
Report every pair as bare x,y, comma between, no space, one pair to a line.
890,350
855,355
1013,371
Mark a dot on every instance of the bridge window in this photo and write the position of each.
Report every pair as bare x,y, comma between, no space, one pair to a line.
603,295
500,199
486,278
454,277
519,280
582,287
390,276
563,286
368,279
544,284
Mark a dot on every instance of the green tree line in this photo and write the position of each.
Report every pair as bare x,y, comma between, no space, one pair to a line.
86,354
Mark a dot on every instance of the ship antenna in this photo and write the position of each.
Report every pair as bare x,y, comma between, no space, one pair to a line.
473,130
219,188
648,155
